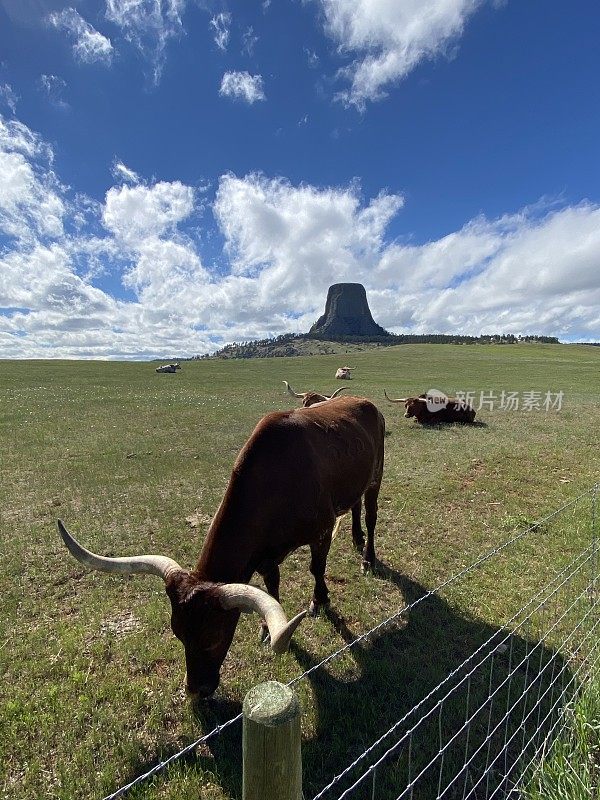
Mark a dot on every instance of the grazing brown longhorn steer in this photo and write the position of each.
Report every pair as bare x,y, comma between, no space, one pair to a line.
453,411
297,472
310,398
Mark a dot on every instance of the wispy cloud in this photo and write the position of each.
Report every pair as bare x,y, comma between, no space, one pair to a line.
149,25
89,45
221,24
242,86
249,40
53,87
8,97
312,58
122,173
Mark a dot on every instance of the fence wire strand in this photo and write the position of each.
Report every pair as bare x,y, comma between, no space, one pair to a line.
175,757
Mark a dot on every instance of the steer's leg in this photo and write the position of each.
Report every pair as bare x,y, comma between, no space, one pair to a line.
368,558
318,560
358,536
271,579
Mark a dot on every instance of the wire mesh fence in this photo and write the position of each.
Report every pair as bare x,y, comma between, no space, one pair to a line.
479,731
485,701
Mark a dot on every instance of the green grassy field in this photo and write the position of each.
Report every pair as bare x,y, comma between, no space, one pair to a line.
92,691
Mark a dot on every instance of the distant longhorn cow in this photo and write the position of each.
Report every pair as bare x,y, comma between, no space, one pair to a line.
296,474
310,398
167,368
343,373
453,410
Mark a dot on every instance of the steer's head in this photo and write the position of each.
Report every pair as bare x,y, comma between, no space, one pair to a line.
312,398
413,406
204,628
204,614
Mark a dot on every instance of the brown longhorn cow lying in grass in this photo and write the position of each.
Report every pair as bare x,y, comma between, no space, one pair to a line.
452,411
310,398
297,472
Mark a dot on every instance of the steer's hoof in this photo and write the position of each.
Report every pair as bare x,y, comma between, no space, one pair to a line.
315,607
264,636
366,567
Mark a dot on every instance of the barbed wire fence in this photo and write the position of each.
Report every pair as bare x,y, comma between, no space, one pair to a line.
481,729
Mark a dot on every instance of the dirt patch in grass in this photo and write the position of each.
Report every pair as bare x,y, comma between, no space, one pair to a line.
198,519
120,624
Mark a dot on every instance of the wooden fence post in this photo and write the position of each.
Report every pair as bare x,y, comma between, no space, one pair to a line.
271,743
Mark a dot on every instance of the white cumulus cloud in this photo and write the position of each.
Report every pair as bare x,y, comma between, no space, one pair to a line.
390,37
242,86
534,271
31,203
134,213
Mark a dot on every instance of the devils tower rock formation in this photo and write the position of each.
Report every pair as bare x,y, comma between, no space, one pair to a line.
347,313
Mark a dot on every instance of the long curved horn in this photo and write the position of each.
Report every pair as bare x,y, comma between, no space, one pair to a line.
397,400
248,598
153,565
291,391
337,391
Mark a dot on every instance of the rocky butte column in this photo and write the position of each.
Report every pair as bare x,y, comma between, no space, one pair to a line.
347,313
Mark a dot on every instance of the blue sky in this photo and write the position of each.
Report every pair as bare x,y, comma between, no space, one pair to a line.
178,175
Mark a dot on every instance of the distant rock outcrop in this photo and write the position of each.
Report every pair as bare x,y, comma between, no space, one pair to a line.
347,313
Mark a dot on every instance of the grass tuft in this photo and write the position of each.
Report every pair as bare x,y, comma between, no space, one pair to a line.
571,768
